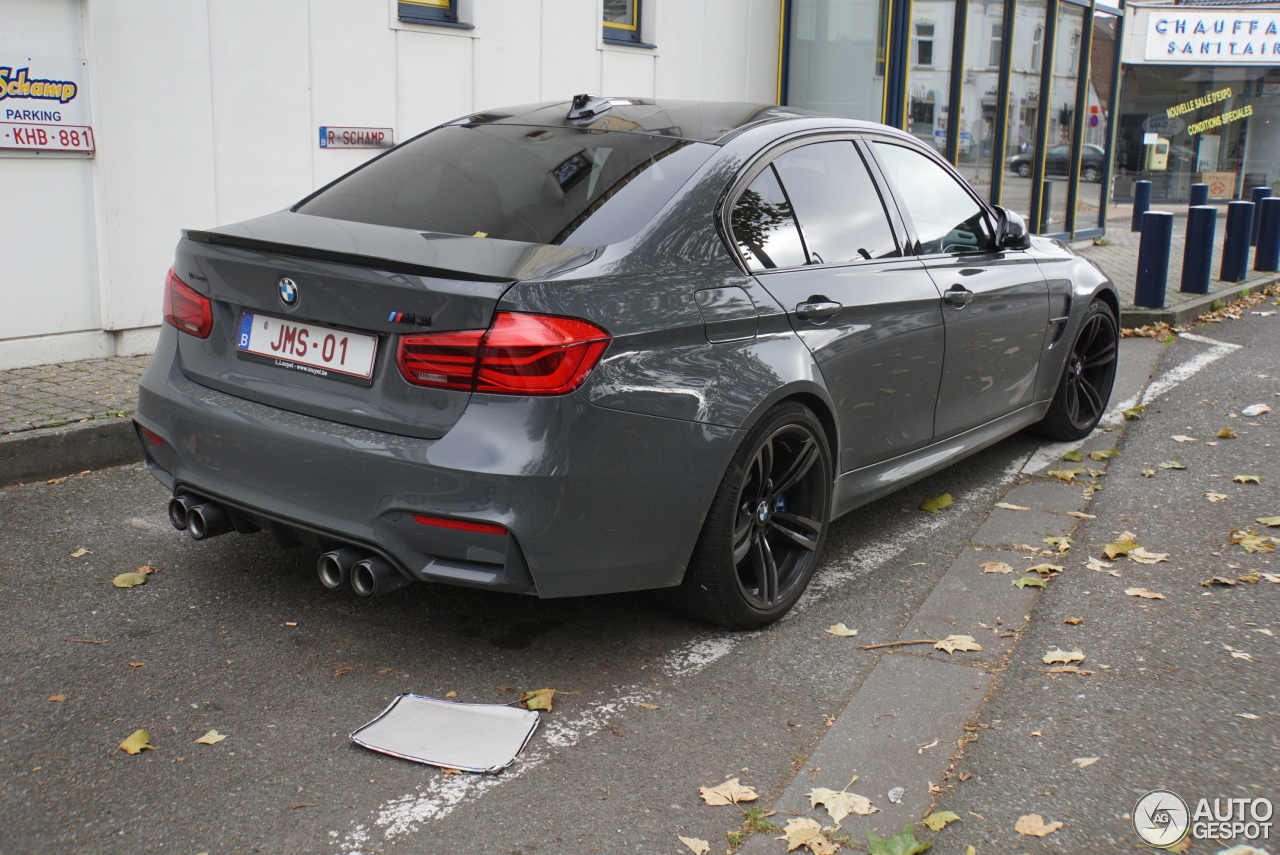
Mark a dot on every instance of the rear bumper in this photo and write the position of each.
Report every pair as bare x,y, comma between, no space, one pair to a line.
594,500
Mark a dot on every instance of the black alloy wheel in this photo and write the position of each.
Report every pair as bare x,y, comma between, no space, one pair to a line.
762,537
1024,170
1091,173
1087,378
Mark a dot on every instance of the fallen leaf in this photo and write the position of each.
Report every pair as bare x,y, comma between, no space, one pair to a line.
79,552
1269,522
902,844
1058,541
937,503
1103,455
451,694
1074,457
1121,547
1074,621
1142,556
57,699
1148,473
1255,410
1252,541
1069,669
952,643
137,742
1217,580
1180,438
1046,569
1266,632
382,672
129,580
1082,762
1009,507
1080,515
1059,655
1028,582
1175,463
1270,577
995,567
1099,564
1240,654
1144,593
1033,825
696,846
729,793
1246,479
539,699
1065,474
211,738
347,670
938,821
803,831
648,706
1216,497
841,630
291,807
840,804
1227,433
1133,412
1247,715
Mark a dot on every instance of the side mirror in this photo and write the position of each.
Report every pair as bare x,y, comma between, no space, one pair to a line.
1011,230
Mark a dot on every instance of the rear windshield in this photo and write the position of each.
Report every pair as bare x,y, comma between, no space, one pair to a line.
542,185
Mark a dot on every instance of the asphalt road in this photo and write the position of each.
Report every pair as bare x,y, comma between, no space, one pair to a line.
237,635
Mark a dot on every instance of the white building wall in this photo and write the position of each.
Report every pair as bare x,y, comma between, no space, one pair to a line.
207,112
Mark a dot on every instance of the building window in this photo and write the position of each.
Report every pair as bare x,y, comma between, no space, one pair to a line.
428,11
1037,41
924,44
997,40
1075,47
622,22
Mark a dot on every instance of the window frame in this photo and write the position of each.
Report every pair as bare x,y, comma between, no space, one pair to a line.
985,207
625,34
920,40
748,174
437,12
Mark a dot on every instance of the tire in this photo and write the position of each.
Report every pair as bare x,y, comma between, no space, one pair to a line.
1091,173
1087,378
1024,170
762,537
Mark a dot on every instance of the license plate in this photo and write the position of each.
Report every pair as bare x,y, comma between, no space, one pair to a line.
309,348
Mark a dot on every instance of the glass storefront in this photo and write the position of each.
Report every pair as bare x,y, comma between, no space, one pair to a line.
884,59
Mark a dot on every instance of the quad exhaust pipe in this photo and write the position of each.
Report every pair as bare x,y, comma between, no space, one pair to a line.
334,568
373,577
201,520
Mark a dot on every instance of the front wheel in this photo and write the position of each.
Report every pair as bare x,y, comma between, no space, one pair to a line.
760,543
1091,174
1087,378
1024,170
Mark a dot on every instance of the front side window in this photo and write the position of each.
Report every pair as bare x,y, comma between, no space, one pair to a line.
946,217
764,227
427,11
836,203
622,21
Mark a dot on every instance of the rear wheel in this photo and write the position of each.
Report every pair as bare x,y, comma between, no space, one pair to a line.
1024,170
1090,372
1091,173
760,543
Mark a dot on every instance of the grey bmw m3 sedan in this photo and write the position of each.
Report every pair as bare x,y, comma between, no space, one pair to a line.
611,344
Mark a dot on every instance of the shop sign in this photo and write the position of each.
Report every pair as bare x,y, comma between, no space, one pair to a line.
44,104
1179,34
1165,126
331,137
1222,185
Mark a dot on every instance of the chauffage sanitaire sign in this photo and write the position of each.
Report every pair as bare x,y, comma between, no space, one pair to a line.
1181,34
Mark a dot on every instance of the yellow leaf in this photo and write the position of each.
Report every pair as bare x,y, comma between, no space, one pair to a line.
938,821
648,706
1252,541
1247,715
1142,556
1103,455
1069,669
1046,569
1246,479
937,503
952,643
995,567
1064,474
58,698
451,695
1059,655
969,850
1080,515
1028,582
1216,497
1115,550
129,580
137,742
1270,522
1181,438
1073,456
1033,825
1144,593
729,793
1148,473
211,738
842,630
840,804
1009,507
803,831
1082,762
79,552
1133,412
1227,433
696,846
538,700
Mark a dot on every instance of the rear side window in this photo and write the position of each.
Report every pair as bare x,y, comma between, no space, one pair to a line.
764,227
946,217
836,203
549,185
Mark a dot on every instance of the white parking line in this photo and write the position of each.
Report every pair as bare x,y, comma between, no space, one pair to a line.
1174,376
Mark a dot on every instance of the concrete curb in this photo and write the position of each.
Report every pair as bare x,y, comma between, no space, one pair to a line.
39,455
1190,310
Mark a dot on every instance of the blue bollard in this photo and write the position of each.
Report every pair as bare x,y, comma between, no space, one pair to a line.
1235,244
1197,257
1267,256
1046,206
1141,203
1256,195
1153,259
1199,195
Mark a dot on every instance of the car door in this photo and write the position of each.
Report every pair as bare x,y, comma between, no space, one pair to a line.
810,224
996,301
1057,160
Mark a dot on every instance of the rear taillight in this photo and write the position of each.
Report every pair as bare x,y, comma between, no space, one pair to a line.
186,308
519,355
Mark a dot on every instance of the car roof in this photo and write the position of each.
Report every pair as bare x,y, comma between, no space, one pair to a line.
701,121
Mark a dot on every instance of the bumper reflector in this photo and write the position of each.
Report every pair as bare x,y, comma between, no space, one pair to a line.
460,525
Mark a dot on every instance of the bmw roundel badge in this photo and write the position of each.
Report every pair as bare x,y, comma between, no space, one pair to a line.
288,292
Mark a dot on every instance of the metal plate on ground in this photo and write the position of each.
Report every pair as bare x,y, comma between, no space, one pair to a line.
470,737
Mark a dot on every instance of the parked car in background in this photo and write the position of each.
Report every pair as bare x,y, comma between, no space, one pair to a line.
611,345
1057,161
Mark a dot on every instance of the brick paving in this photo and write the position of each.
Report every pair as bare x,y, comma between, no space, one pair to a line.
51,395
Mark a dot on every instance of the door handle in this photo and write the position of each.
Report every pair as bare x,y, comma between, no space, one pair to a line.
818,309
957,296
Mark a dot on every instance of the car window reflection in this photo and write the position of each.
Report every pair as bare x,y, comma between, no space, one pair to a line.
764,226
